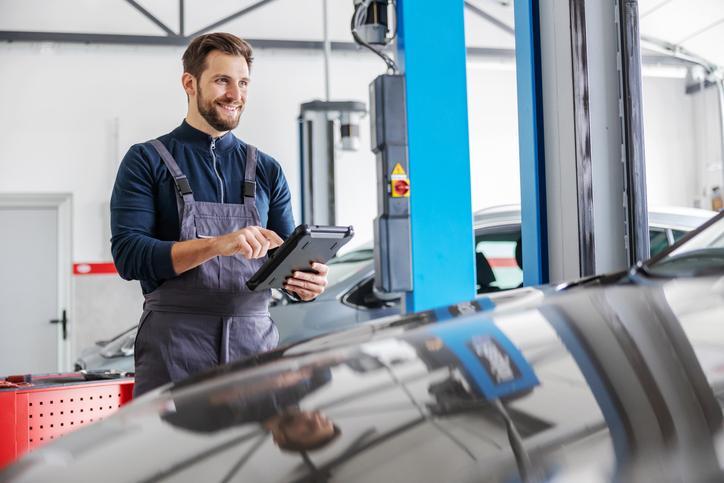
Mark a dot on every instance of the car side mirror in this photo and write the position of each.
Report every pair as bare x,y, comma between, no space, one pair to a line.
389,298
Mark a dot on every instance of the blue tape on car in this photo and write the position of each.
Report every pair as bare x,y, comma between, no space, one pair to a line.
486,303
495,365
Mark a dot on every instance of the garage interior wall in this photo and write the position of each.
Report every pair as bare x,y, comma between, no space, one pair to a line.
683,143
72,110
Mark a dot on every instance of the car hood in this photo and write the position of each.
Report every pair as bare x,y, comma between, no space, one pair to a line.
609,381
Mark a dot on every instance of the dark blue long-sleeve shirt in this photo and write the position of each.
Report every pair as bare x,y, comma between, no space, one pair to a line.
144,214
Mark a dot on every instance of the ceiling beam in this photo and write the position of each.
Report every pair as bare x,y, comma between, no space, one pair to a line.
151,17
701,31
181,41
231,17
156,40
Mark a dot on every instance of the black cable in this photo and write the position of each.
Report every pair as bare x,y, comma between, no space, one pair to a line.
388,61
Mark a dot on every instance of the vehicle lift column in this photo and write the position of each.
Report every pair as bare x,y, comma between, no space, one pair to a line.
431,54
581,138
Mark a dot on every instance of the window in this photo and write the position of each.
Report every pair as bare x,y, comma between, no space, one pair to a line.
497,266
658,239
365,296
678,234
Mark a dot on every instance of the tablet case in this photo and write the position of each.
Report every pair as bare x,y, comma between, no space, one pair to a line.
308,243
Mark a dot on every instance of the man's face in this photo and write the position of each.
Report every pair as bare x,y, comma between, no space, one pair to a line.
305,428
221,90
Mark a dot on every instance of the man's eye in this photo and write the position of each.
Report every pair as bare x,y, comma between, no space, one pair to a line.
221,81
244,83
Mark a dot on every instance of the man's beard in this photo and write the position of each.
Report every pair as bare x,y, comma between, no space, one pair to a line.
209,111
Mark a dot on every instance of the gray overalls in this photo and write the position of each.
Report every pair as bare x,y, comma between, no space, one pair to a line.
205,316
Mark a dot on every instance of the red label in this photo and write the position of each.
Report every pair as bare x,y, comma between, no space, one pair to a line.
502,263
401,187
94,268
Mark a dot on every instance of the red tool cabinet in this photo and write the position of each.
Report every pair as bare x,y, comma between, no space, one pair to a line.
32,415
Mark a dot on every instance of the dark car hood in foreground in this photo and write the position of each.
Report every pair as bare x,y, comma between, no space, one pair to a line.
594,384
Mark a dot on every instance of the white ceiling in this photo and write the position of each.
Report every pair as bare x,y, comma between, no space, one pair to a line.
696,25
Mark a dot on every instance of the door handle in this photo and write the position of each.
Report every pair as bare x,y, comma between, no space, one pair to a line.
64,322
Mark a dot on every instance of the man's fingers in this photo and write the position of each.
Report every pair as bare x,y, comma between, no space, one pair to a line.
311,278
244,248
265,246
303,293
320,268
313,285
308,285
251,242
255,244
296,283
264,242
274,239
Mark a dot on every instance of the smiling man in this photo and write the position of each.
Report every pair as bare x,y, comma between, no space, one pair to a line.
193,215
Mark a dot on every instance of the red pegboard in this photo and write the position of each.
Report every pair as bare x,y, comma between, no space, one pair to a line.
32,416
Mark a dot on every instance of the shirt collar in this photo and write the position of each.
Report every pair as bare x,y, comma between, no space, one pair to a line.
189,134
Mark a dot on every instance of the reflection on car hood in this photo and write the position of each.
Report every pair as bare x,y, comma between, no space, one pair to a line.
388,327
592,384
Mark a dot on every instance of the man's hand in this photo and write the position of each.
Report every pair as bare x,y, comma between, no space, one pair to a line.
250,242
308,285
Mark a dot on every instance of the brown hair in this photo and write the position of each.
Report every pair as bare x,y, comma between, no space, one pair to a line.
295,446
194,58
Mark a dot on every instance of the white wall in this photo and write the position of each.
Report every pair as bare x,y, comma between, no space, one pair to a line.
669,142
683,143
707,145
493,127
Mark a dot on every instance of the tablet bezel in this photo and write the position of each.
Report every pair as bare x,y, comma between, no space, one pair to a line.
320,232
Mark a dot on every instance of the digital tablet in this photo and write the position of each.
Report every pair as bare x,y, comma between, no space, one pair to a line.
308,243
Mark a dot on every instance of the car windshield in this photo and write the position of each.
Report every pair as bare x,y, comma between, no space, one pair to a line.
345,265
701,254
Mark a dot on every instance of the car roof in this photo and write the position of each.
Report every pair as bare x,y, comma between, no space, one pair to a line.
678,217
660,216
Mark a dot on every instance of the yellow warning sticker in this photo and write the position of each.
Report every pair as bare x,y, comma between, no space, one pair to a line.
399,182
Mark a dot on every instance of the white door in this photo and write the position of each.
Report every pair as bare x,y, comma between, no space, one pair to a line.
33,289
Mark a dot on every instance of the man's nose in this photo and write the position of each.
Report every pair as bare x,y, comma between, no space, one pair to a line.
234,92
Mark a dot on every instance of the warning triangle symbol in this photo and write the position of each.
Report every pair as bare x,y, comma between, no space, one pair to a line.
398,169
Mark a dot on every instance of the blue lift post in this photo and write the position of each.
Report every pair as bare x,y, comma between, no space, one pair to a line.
530,139
431,48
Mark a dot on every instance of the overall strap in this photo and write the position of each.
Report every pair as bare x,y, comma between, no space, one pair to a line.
250,174
183,188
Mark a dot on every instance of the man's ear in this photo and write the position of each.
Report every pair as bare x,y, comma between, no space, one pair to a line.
188,82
